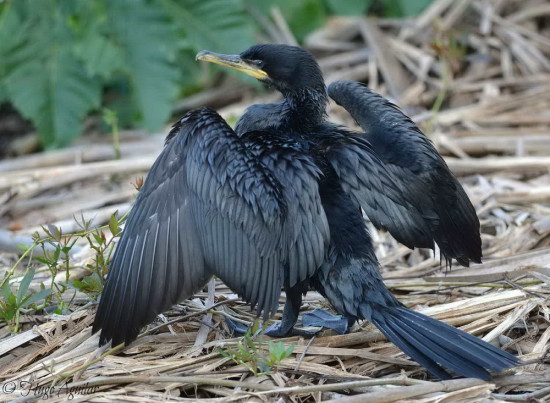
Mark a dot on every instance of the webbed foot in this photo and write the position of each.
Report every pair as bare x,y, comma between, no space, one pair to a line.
320,317
281,329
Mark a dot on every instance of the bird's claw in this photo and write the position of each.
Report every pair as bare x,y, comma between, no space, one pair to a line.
320,317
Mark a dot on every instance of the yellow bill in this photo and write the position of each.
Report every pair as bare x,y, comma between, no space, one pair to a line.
233,62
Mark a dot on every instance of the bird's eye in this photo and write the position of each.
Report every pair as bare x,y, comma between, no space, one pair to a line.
257,63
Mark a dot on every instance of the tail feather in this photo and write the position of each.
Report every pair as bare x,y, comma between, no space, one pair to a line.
475,349
435,344
444,356
402,342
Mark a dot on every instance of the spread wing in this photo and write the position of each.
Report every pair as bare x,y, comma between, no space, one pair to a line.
420,183
307,234
208,207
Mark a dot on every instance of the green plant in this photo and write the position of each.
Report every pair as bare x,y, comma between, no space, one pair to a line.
55,256
251,352
12,305
59,56
55,248
91,285
277,353
64,59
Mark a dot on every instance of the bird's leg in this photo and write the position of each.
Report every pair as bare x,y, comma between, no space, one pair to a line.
320,317
290,316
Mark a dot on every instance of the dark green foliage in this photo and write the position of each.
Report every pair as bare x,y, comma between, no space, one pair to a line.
353,7
59,55
63,59
147,43
41,75
405,8
220,25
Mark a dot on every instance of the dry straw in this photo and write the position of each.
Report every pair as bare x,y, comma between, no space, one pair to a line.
476,77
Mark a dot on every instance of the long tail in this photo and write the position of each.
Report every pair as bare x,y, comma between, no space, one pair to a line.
435,344
350,280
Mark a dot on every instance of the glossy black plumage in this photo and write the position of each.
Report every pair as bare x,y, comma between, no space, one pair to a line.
445,214
277,203
213,204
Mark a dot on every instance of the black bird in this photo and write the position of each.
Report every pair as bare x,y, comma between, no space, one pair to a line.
276,203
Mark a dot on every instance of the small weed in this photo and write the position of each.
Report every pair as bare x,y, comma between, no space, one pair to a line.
253,354
91,285
277,353
13,305
55,257
102,245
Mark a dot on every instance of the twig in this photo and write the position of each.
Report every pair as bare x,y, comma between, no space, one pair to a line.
407,392
303,353
182,318
88,364
297,390
525,397
196,380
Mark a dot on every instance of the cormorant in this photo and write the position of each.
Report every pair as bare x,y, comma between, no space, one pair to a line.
276,203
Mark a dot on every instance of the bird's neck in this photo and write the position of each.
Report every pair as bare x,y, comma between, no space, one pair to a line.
305,108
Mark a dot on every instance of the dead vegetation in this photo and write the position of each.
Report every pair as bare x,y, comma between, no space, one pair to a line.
476,77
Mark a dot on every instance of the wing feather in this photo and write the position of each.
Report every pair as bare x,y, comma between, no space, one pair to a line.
362,174
209,206
427,201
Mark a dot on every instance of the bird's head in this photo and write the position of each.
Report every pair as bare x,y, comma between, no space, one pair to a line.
287,68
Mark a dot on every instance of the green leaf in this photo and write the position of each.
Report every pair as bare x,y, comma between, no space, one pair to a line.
100,55
412,8
113,224
302,16
56,253
97,238
44,80
349,7
89,284
101,260
148,43
92,43
217,25
7,311
42,260
33,298
307,18
6,291
404,8
224,353
289,350
12,300
24,286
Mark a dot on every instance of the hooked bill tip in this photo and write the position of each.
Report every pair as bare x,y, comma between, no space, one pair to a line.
201,54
